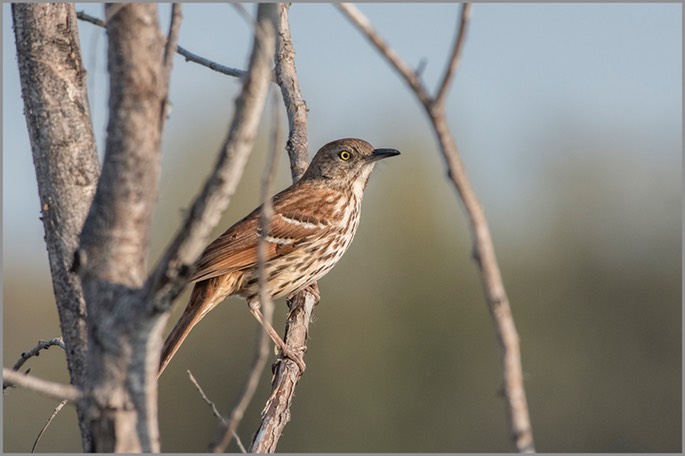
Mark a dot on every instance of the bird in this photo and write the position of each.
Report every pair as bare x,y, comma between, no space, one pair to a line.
312,225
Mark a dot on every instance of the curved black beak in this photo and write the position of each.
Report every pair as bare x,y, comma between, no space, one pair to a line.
380,154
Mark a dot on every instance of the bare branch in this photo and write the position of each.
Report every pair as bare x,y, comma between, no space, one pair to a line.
172,41
53,85
51,389
59,407
296,107
170,274
364,26
484,250
454,57
35,351
189,56
276,413
215,411
219,68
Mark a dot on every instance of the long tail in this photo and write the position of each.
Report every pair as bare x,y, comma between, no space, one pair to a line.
205,296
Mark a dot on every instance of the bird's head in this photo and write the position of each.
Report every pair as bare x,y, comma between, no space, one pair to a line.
346,162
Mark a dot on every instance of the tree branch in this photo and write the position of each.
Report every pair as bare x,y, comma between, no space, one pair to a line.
53,85
296,107
484,250
51,389
189,56
35,351
443,87
276,413
215,411
59,407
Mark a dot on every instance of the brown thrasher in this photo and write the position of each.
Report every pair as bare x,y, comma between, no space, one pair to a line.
313,223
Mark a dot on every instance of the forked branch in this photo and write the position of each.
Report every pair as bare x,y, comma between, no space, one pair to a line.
483,248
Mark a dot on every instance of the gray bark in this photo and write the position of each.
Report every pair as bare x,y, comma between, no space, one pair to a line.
53,85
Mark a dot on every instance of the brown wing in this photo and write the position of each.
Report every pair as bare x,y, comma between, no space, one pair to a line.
291,225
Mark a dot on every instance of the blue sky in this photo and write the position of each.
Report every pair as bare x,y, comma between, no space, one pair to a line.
611,70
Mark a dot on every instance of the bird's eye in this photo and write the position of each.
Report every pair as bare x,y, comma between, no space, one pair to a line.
344,155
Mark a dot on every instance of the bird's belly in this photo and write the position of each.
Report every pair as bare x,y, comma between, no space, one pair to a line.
298,269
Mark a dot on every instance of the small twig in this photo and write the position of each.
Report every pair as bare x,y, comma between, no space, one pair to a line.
454,57
59,407
189,56
219,68
215,410
35,351
47,388
172,39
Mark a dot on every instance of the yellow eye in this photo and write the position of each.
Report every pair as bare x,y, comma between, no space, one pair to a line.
344,155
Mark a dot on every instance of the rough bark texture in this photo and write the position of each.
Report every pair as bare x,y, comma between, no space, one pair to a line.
276,413
124,340
53,84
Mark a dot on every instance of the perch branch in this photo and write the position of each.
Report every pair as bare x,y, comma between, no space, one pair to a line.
484,250
276,412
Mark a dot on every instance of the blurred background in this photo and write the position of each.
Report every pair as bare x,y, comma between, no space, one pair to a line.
568,118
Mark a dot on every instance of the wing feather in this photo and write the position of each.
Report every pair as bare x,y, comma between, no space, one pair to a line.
291,226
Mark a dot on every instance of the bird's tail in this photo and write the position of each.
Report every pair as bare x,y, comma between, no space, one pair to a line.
204,297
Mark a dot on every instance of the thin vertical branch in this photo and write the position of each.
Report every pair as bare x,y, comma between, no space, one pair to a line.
483,247
276,412
265,302
295,105
453,61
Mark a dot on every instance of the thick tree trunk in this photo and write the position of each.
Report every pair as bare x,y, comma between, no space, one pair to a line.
53,84
125,338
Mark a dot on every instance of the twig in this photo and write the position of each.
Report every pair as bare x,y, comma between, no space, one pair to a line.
189,56
454,57
47,388
484,250
276,412
35,351
59,407
295,105
215,410
172,40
